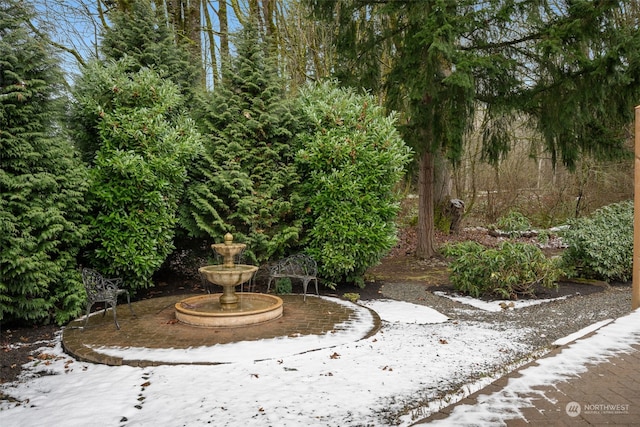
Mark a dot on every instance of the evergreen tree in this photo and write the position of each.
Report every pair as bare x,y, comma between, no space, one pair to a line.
140,34
139,171
42,181
571,67
244,182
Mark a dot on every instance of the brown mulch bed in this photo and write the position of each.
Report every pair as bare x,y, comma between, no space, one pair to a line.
17,345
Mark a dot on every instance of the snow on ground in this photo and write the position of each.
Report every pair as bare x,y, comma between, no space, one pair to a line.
410,363
494,305
493,409
404,312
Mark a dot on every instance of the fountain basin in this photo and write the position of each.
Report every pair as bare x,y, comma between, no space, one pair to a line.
207,311
228,276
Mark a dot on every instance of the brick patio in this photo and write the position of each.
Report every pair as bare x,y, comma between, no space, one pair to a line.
582,400
155,326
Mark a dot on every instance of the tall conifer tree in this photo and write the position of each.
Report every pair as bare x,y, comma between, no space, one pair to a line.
42,182
569,66
243,184
142,33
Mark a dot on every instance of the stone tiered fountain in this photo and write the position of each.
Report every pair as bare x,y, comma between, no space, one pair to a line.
228,309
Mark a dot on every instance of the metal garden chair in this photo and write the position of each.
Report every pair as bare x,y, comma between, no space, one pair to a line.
101,289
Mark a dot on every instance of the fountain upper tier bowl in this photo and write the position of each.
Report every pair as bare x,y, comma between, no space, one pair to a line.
228,276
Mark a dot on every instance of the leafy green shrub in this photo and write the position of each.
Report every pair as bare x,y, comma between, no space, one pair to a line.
457,250
42,181
139,169
284,286
601,245
512,269
513,223
349,161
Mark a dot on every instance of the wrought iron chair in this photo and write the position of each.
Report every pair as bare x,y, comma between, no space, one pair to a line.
299,266
101,289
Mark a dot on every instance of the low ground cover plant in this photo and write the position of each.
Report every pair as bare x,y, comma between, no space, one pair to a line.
513,269
284,286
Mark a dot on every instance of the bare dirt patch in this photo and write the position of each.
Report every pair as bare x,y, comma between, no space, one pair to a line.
17,345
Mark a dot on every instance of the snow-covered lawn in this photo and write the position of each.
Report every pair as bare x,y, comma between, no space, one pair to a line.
417,363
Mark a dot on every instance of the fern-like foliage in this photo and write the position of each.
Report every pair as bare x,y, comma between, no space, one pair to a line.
244,182
42,181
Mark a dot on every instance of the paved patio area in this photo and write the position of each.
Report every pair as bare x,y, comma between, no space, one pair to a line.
605,394
156,327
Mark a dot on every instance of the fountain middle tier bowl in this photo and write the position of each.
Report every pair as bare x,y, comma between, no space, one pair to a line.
206,311
228,276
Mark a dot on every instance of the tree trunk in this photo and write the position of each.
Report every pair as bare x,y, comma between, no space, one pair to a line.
442,182
186,20
215,76
426,247
193,27
223,18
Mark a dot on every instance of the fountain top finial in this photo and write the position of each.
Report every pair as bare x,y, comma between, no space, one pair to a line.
228,239
228,249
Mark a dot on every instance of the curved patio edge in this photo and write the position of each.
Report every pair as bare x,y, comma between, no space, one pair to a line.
154,337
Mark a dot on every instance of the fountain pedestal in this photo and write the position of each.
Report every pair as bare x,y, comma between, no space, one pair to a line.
229,299
228,277
228,309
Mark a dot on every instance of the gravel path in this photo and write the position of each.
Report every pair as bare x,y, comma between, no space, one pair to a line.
545,322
